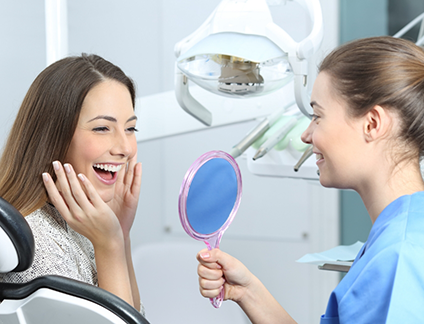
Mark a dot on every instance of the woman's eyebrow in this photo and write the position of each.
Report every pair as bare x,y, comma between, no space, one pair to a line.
110,118
132,118
314,104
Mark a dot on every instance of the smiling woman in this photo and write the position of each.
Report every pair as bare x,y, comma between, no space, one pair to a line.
70,167
104,138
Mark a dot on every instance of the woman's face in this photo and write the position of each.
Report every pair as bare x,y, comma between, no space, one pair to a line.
104,139
336,137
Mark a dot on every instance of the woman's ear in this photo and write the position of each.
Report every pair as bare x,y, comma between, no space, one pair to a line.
377,123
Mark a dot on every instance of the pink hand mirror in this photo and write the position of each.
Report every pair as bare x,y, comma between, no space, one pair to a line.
209,199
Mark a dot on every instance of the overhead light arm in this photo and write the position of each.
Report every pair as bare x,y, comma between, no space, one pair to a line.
310,45
302,52
187,102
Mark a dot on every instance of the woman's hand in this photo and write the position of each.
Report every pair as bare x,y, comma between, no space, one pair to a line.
218,269
127,191
81,206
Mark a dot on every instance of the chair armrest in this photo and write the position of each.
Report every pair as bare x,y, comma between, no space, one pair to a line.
74,288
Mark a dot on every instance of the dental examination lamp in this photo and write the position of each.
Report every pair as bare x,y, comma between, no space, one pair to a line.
239,52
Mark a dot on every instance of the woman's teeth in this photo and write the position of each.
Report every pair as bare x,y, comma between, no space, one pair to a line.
319,156
109,167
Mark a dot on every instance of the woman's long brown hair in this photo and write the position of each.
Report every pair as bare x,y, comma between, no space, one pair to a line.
45,125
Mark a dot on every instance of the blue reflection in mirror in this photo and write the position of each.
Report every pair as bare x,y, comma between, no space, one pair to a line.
212,196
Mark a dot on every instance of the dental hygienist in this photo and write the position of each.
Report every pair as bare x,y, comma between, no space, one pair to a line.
367,132
69,166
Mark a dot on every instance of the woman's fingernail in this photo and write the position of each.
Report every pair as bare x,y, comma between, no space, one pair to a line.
56,165
205,255
45,177
67,168
218,266
81,177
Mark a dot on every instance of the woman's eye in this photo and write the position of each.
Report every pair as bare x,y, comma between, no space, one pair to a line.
314,117
100,129
132,129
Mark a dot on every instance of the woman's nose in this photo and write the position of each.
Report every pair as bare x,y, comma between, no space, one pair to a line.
307,135
122,146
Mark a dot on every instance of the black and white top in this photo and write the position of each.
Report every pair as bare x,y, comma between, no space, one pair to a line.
59,250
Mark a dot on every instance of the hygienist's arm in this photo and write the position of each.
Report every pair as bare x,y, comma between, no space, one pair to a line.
240,286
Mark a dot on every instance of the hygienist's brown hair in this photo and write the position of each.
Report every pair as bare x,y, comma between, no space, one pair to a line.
45,125
384,71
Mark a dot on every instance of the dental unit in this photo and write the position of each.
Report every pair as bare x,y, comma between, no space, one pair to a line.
239,52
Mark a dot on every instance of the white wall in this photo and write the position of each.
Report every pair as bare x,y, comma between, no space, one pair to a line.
279,220
22,44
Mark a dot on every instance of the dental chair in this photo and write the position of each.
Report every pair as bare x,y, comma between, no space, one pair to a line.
49,299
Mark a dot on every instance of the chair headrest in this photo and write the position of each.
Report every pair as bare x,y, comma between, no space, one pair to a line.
16,240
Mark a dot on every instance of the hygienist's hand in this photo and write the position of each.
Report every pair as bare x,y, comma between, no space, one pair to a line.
127,192
240,286
217,268
82,207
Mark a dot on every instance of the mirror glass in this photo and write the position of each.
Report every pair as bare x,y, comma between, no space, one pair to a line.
212,196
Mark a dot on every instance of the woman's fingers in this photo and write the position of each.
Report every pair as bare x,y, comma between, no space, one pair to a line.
92,197
55,197
136,179
133,176
78,193
62,196
121,174
75,198
83,209
126,173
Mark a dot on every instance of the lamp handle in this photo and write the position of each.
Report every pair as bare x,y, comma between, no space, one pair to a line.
301,95
187,102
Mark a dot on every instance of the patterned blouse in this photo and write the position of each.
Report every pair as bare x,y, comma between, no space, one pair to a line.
59,250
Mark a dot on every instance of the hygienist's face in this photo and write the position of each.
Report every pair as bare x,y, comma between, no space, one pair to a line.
335,136
104,139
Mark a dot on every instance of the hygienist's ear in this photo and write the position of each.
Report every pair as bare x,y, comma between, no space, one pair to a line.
377,123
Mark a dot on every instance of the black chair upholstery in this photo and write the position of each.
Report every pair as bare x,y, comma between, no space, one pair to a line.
19,232
16,227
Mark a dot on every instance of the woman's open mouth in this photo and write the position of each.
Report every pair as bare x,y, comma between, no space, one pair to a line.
107,173
319,157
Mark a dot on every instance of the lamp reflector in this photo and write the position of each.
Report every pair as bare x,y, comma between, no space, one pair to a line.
236,65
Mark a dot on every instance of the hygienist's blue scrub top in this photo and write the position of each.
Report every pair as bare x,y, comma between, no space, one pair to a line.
386,282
